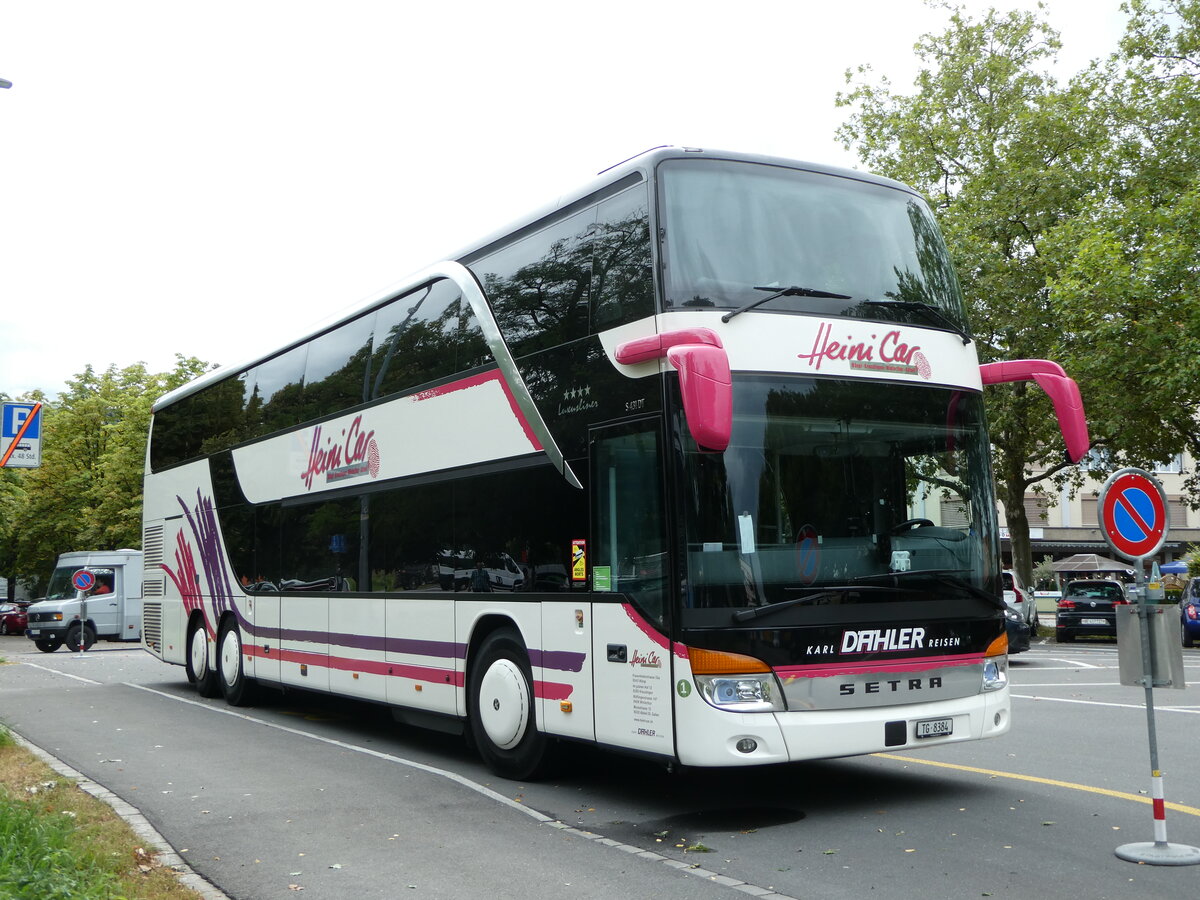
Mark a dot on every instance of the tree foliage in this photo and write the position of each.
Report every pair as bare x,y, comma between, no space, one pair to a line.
1071,211
87,494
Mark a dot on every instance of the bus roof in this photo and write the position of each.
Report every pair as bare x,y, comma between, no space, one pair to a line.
643,164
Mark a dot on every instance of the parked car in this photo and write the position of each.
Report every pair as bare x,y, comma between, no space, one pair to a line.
1021,600
1189,612
1089,608
1018,631
13,618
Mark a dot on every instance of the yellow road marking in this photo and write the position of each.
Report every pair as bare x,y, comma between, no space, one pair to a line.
993,773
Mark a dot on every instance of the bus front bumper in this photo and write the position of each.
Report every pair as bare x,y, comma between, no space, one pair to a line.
745,739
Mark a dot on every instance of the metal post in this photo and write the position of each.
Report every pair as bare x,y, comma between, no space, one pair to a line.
1158,853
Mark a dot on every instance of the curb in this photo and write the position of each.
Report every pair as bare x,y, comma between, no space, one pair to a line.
149,835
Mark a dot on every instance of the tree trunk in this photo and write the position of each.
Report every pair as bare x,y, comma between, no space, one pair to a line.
1010,488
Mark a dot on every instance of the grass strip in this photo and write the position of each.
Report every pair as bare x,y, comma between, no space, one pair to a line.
58,842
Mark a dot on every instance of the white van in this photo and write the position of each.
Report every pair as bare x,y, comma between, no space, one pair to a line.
93,595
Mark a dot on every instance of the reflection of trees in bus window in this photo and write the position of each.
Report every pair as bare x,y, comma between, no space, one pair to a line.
319,545
929,276
409,529
622,288
416,339
539,287
278,393
335,370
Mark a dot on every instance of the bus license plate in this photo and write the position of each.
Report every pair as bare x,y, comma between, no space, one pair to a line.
935,728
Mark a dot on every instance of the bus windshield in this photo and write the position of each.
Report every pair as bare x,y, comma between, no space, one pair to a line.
736,230
839,492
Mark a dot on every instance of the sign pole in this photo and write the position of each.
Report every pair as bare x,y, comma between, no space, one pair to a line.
1133,517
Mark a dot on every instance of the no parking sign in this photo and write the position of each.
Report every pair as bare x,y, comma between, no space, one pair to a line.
1133,513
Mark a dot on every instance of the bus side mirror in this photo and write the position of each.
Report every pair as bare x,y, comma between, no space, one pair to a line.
1063,391
705,380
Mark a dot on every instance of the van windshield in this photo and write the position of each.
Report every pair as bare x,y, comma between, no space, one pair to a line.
61,587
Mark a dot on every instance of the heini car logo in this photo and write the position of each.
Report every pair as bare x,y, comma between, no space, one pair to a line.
355,454
878,354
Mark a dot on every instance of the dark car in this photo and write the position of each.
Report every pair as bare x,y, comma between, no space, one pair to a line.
1189,612
1018,631
13,619
1089,608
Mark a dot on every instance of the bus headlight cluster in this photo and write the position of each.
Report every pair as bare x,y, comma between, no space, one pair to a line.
741,693
995,664
995,673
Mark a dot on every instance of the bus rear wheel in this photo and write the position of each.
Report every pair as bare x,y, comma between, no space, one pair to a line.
501,711
199,672
237,688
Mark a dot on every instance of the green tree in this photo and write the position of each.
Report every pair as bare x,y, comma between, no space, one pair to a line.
87,493
1035,184
1125,274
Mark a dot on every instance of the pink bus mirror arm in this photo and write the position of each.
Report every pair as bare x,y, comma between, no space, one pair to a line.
705,380
1063,392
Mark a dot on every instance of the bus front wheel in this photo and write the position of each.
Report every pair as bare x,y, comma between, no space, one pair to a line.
237,688
199,672
501,707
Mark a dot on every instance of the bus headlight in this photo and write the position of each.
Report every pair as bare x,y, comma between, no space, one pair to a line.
995,664
740,693
734,682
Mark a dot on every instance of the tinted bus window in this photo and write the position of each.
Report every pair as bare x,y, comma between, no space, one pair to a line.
335,371
275,403
622,283
539,287
205,422
416,339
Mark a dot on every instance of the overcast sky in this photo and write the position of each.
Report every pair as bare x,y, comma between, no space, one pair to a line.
213,178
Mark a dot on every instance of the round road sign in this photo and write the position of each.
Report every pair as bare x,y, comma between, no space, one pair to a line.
1133,513
83,580
808,554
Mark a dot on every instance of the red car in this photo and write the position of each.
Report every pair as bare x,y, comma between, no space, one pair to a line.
13,619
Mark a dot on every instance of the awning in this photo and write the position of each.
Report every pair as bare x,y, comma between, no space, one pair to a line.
1090,562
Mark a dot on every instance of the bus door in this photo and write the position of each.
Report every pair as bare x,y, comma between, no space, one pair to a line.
630,647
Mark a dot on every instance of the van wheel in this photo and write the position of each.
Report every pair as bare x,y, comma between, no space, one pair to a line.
48,645
199,672
237,688
89,637
500,706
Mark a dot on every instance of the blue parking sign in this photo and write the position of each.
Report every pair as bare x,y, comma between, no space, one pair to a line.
21,435
15,415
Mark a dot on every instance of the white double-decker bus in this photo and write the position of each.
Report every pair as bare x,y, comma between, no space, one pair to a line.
691,465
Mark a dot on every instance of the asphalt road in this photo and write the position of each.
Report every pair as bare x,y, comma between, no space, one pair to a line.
304,791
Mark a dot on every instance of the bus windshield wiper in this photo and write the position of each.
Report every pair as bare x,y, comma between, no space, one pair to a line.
792,291
931,312
945,576
745,615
